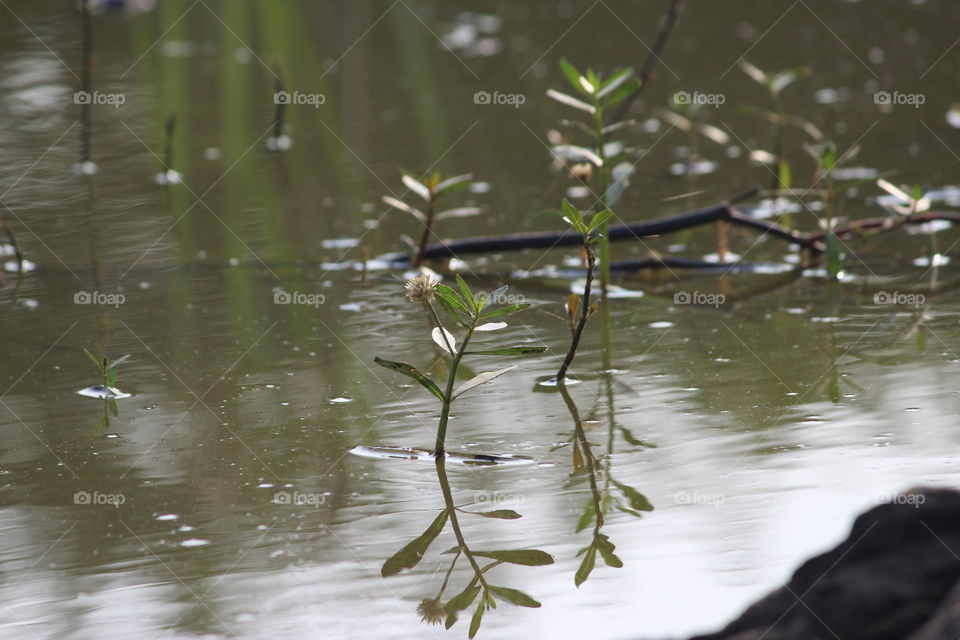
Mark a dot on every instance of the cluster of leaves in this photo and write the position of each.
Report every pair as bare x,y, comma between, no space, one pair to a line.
108,370
431,190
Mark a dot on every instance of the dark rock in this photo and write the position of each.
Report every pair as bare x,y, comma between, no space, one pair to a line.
895,577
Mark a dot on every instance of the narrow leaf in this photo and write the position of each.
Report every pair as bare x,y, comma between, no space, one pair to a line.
403,206
505,311
615,81
515,597
416,186
459,212
467,294
411,372
637,500
476,381
451,298
95,360
572,75
589,561
587,517
412,553
526,557
753,72
463,599
576,153
570,101
444,340
450,185
491,326
475,620
503,514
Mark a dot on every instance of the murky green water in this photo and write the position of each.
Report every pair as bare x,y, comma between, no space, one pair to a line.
774,418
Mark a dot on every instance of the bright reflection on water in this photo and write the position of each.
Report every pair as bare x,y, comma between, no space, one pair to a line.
221,500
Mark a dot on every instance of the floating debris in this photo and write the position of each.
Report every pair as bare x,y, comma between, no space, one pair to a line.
423,455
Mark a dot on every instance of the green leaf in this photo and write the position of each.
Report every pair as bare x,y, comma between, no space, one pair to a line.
416,186
629,437
607,551
467,294
112,377
572,75
829,158
463,599
476,381
637,500
834,263
754,72
623,92
514,596
573,216
451,299
459,212
570,101
786,176
589,561
614,81
475,620
410,555
526,557
509,351
505,311
411,372
503,514
599,219
95,360
587,517
453,184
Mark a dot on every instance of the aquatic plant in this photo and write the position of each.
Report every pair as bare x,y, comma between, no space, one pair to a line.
471,314
109,372
579,308
775,83
431,191
597,95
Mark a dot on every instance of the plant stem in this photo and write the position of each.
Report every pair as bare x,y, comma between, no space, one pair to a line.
454,523
584,315
425,237
451,380
602,205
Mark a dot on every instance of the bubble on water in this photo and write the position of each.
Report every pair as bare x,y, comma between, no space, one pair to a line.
167,516
340,400
660,325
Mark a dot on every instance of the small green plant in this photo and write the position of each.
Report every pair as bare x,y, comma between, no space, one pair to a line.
109,372
775,83
597,95
470,313
579,308
431,191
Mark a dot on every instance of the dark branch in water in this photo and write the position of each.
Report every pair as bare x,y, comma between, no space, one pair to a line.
86,24
667,25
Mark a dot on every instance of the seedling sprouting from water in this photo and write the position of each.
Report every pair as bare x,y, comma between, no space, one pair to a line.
86,166
775,83
279,141
470,313
597,94
579,308
431,191
689,118
107,390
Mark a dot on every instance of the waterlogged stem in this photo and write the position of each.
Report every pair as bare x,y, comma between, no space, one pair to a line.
582,322
581,437
454,523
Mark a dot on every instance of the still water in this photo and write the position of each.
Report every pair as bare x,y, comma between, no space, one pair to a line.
221,500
